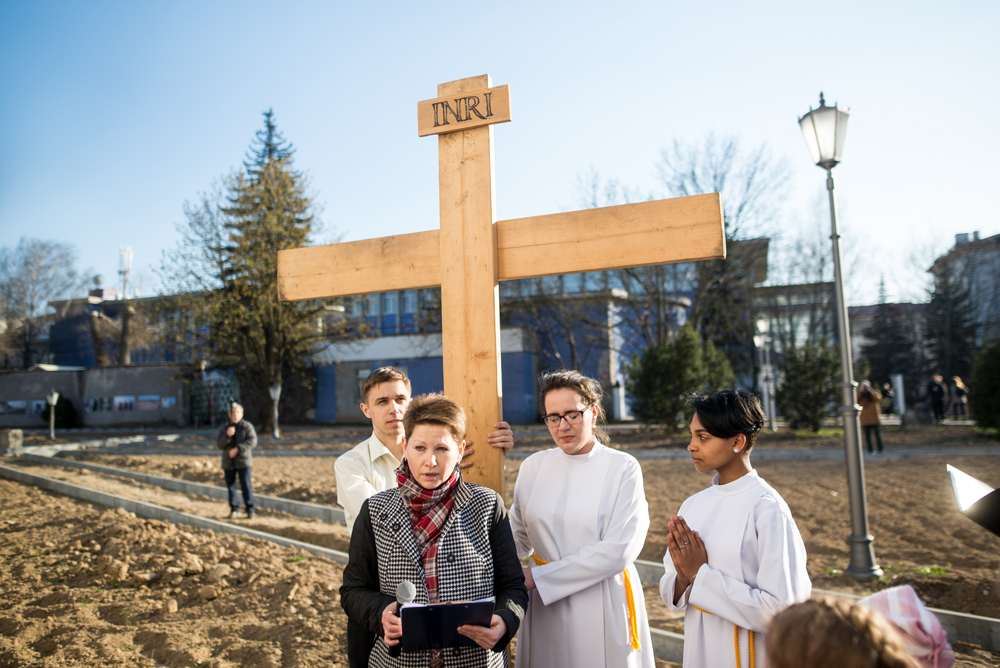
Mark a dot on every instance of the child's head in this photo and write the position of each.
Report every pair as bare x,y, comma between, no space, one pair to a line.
729,413
822,633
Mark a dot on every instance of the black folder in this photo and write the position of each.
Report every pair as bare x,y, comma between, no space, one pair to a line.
435,626
977,500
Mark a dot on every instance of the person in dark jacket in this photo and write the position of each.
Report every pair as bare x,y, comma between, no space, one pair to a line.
236,439
451,539
937,393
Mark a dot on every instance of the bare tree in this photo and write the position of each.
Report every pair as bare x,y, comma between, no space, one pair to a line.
574,324
753,186
32,274
798,297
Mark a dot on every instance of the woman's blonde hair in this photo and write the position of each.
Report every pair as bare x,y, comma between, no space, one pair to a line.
588,389
829,633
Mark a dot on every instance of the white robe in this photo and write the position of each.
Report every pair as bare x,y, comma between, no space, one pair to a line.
587,516
756,567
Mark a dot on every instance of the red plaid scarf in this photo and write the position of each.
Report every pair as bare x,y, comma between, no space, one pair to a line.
429,510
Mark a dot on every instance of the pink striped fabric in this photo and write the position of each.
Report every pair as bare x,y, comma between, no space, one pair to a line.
920,630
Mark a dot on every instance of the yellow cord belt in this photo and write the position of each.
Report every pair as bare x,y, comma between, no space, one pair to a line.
633,623
736,640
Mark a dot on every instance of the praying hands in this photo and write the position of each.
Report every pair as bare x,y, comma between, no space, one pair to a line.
687,551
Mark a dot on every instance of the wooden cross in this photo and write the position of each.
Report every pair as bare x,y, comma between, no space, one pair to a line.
473,251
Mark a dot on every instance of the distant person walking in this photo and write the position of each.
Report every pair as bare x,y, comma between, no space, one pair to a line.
959,398
936,391
236,439
871,414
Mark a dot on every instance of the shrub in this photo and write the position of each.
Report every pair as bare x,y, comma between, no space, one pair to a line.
808,384
984,387
661,378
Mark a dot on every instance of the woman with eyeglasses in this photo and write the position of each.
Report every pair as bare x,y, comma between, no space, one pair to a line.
580,513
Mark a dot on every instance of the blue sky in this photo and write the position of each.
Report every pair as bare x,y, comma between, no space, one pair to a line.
115,113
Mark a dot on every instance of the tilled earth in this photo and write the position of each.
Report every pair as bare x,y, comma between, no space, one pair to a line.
86,586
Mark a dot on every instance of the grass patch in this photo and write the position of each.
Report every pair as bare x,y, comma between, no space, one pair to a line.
939,571
833,571
297,557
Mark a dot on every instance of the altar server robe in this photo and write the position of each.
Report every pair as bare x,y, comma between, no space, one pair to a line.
756,567
587,516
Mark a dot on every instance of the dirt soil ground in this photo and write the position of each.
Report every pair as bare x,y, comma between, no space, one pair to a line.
86,586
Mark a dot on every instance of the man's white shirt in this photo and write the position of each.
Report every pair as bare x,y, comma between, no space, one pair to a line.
367,469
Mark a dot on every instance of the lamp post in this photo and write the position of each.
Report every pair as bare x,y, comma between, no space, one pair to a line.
762,342
825,129
275,392
52,398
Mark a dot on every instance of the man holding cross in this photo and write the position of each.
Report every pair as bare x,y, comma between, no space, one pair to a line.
371,466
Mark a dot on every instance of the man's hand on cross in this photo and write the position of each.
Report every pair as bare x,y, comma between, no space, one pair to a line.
503,438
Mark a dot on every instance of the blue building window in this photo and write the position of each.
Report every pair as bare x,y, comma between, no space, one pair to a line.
410,301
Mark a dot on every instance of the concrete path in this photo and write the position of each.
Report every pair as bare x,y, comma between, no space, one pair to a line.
762,455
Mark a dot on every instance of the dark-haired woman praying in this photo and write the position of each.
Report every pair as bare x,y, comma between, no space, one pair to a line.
734,555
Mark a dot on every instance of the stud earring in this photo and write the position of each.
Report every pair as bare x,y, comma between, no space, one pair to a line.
736,449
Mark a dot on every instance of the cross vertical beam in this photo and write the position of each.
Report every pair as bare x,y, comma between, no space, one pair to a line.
470,297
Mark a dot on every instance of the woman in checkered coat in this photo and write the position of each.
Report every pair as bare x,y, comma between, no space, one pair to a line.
452,540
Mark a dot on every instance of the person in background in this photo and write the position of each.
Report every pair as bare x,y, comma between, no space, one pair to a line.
236,439
870,400
936,391
735,557
822,633
959,398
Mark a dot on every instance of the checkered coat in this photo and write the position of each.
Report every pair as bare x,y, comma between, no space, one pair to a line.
477,558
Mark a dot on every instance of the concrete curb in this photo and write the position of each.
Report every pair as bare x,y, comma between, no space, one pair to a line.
667,645
152,511
680,454
297,508
961,626
205,452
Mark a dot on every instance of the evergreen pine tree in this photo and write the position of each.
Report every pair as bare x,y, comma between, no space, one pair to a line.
951,327
891,348
224,273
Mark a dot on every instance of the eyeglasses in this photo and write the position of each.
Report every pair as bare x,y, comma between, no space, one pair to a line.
572,417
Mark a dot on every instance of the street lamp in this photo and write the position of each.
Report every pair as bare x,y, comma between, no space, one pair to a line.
52,398
275,392
825,129
763,344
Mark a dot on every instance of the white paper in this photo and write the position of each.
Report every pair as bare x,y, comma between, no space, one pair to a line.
490,599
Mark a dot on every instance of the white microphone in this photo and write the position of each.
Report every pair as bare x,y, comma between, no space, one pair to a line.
405,593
